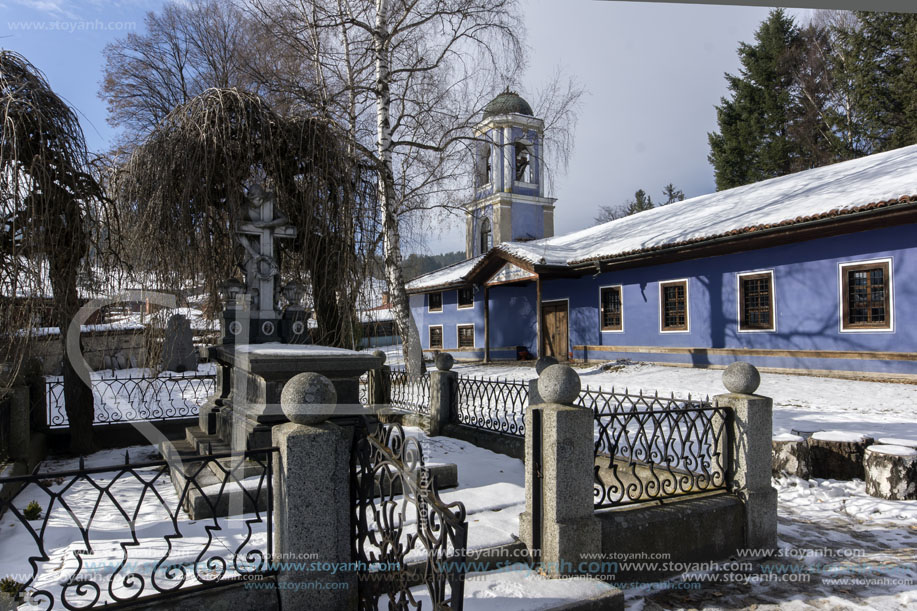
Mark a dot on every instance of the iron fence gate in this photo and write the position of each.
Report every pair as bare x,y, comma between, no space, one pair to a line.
404,534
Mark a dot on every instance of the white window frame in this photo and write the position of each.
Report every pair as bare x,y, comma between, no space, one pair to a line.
442,337
620,288
841,322
687,283
441,303
739,316
474,343
458,304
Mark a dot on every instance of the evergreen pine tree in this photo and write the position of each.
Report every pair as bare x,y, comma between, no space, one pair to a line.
671,194
884,73
641,202
754,140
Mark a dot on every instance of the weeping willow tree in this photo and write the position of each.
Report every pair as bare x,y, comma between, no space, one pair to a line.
185,189
50,200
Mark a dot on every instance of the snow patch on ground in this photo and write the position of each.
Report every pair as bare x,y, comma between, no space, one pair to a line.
519,588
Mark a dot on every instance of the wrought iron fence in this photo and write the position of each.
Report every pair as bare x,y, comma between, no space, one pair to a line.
129,399
404,534
103,535
410,392
494,405
649,447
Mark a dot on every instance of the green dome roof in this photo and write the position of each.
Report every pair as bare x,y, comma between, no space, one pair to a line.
507,102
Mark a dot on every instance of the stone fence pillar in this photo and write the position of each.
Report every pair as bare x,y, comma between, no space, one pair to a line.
379,391
312,499
19,440
540,365
443,393
559,525
750,431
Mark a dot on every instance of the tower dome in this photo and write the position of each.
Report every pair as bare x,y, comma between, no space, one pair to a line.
506,103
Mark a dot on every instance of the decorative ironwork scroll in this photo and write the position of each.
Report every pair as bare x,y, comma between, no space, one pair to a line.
119,533
404,534
493,405
649,448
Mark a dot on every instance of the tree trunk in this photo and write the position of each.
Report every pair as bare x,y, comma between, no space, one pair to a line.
78,400
391,237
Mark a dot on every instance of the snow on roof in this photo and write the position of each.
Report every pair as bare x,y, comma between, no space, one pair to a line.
845,187
446,276
376,315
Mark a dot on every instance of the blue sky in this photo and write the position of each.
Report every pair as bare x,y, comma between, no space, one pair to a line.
653,73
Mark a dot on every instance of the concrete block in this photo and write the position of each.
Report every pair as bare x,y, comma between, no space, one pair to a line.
760,518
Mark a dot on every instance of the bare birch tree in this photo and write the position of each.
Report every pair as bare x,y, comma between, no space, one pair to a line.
408,78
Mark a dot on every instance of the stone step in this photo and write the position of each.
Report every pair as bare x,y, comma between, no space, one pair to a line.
235,468
202,499
204,443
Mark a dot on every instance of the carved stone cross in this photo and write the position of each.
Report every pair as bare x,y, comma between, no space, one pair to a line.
257,236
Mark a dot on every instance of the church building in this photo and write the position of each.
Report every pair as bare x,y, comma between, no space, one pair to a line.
814,271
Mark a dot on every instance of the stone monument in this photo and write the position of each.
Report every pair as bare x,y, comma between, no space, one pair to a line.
263,346
178,351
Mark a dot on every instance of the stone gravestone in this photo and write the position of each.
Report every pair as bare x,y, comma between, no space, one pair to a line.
178,351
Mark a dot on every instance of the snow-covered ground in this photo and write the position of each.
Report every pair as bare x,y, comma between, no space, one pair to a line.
839,549
88,503
854,551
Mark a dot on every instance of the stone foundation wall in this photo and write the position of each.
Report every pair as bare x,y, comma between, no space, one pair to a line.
693,530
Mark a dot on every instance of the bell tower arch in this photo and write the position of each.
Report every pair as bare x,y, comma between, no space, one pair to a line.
509,202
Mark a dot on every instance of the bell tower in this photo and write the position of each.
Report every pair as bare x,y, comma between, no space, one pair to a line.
509,201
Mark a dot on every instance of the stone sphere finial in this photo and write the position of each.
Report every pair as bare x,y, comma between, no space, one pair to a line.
559,384
381,354
308,398
443,361
543,363
741,378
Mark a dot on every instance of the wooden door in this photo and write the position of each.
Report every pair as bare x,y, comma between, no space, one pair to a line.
554,321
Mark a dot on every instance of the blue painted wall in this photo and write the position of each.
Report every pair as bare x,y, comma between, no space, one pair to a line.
806,285
528,221
450,317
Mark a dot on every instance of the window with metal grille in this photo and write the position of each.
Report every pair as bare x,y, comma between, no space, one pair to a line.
466,336
674,296
612,310
756,302
866,296
436,337
435,302
466,297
